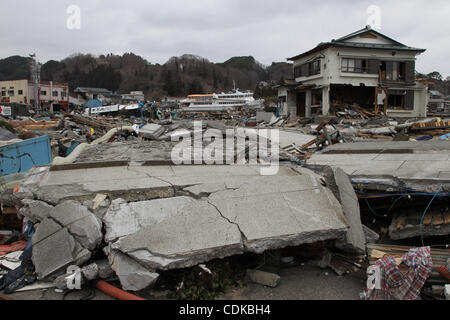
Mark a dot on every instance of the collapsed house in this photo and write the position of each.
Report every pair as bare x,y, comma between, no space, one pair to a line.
365,68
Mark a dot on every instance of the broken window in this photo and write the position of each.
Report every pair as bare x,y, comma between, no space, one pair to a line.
354,65
307,69
393,71
397,99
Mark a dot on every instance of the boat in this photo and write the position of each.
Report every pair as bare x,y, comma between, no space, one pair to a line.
234,100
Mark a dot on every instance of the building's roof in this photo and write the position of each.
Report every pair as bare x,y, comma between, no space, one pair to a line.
92,90
342,42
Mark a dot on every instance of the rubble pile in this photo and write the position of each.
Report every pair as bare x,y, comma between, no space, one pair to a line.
113,206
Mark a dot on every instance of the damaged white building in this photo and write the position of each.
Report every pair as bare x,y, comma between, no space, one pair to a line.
365,68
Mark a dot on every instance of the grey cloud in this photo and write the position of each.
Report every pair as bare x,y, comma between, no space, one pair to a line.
218,29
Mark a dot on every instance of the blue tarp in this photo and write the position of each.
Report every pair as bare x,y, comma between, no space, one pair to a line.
22,156
93,103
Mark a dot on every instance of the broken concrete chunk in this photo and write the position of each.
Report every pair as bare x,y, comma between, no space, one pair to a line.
151,131
99,269
35,210
96,270
82,223
56,251
371,236
339,183
99,205
45,229
132,276
263,278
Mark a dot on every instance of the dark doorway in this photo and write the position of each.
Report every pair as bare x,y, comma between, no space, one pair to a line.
301,103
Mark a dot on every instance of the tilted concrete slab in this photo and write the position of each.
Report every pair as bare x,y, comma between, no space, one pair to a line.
339,183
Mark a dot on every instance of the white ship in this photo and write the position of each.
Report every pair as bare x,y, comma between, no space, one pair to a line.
234,100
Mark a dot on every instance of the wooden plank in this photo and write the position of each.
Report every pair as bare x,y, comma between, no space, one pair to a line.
438,219
9,210
446,217
39,126
427,219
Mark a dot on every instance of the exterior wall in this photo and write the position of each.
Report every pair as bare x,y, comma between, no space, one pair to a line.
27,96
47,89
318,79
292,105
15,85
421,99
331,60
331,73
282,93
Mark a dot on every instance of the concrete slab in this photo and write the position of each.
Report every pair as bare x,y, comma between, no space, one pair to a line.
179,216
52,253
170,233
339,182
288,137
151,131
65,235
389,147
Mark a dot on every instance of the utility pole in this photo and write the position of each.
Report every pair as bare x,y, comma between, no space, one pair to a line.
36,80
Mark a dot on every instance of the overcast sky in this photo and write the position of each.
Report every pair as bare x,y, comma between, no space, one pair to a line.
217,29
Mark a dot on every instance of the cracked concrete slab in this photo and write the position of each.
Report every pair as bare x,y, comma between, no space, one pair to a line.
171,233
230,210
165,217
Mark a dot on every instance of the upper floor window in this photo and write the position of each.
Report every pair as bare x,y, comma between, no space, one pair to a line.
11,93
63,94
20,92
307,69
354,65
392,70
55,93
43,93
